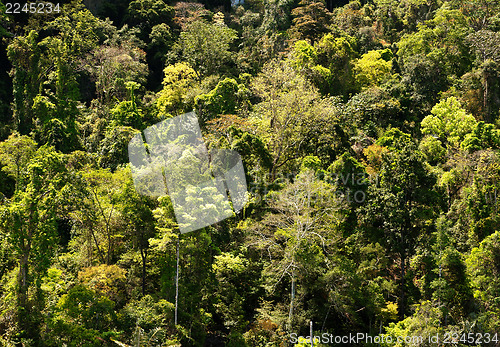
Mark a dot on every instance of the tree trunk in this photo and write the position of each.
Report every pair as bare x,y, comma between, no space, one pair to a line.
22,294
144,256
490,91
402,274
99,252
486,96
402,286
25,319
290,313
177,282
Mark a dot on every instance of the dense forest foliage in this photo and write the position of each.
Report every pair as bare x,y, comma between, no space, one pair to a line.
369,132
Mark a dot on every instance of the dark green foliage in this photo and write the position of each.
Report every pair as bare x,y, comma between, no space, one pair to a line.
374,106
226,98
113,150
400,206
25,55
394,139
205,46
149,13
311,20
328,64
147,320
83,317
484,136
483,265
348,172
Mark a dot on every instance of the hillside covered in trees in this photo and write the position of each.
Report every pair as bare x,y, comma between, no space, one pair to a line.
369,133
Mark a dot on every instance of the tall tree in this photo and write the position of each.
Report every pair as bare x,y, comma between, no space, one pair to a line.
206,46
311,20
15,154
29,218
480,13
483,265
397,210
27,72
137,210
302,221
290,116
